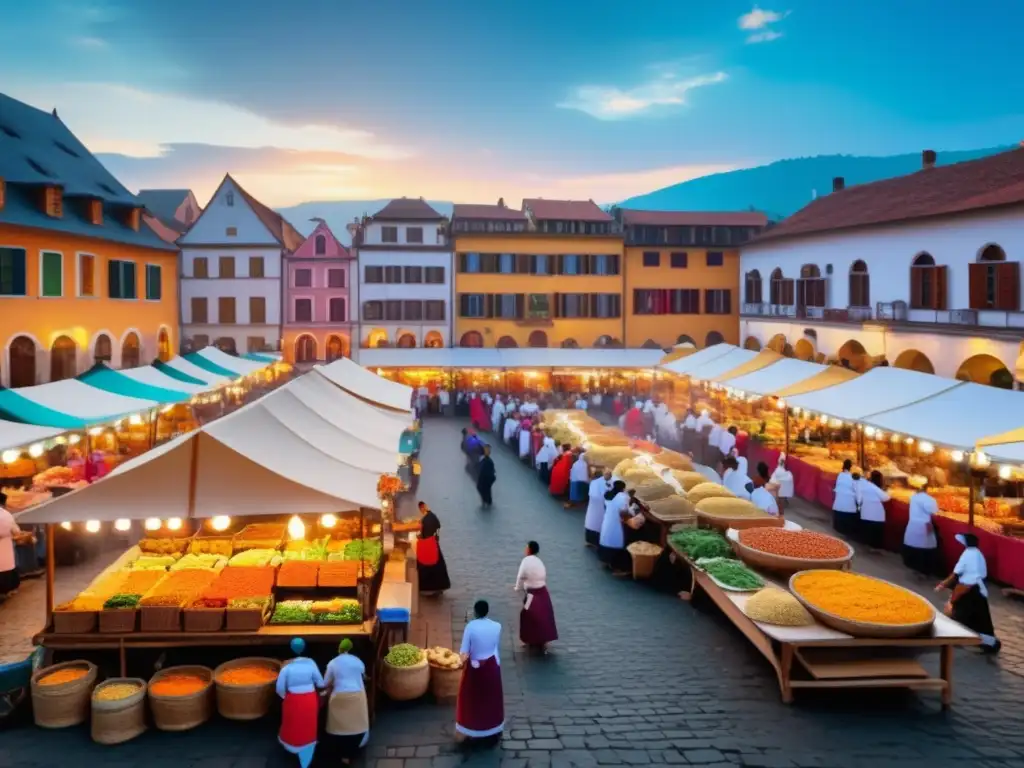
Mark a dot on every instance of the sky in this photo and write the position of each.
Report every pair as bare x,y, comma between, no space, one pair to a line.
470,101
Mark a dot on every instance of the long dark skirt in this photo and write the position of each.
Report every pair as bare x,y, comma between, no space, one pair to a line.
544,470
872,533
846,523
671,577
593,538
537,625
330,750
480,710
616,559
971,610
9,581
924,561
434,578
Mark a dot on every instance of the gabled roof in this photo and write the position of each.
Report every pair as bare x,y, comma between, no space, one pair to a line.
564,210
308,247
407,209
486,212
278,225
997,180
164,203
694,218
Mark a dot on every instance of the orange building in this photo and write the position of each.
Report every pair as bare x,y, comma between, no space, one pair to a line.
549,275
82,277
682,275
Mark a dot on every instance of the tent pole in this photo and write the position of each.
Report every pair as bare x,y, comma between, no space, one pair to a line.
193,471
785,427
50,571
861,456
970,500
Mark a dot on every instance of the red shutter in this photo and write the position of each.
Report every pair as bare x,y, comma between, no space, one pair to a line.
978,291
520,306
557,305
916,287
1008,286
940,288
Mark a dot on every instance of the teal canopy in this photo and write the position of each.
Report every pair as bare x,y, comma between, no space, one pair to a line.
207,365
17,408
409,443
102,377
174,373
258,358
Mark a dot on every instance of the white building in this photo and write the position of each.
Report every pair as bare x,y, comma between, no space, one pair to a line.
405,273
231,273
921,271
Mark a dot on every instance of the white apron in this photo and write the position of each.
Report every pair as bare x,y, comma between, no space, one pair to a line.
846,497
524,443
595,507
612,535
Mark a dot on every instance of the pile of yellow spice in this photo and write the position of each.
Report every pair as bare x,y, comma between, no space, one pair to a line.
856,597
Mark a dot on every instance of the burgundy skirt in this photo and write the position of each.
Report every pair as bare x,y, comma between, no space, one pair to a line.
537,625
480,711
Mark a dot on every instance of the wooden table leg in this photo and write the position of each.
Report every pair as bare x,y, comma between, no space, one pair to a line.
946,666
785,672
124,658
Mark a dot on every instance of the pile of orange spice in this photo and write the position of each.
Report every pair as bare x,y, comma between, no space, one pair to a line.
62,676
806,545
178,685
861,598
250,674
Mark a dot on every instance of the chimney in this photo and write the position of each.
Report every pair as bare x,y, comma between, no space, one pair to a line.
838,184
928,159
501,202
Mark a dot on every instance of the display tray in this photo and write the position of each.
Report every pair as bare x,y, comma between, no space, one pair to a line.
783,564
318,620
726,587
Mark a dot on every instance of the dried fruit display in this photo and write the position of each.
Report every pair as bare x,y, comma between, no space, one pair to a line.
342,573
297,573
241,582
804,545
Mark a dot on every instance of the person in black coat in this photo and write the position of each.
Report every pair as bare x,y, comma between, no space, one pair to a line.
485,477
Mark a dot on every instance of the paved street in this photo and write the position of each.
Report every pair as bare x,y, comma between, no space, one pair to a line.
636,678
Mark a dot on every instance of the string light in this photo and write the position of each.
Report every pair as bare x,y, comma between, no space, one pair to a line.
1004,472
925,447
328,521
296,529
92,526
957,456
9,457
35,450
122,525
220,523
174,524
75,439
66,526
152,524
96,431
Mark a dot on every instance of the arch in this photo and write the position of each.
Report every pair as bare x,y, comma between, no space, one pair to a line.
923,259
406,341
433,340
131,350
855,355
985,369
337,347
538,339
752,288
21,360
780,290
102,348
713,338
992,252
777,343
810,271
305,349
63,359
752,344
803,350
684,339
227,345
651,344
603,341
471,339
913,360
507,342
860,285
320,245
378,337
570,344
163,345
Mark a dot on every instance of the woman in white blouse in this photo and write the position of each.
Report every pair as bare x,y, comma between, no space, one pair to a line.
920,545
871,499
611,548
782,483
480,710
968,602
537,625
844,504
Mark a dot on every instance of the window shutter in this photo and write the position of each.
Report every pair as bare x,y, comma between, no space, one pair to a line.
616,265
520,306
558,305
727,302
113,279
978,290
489,305
1008,286
462,262
940,291
916,288
586,304
463,300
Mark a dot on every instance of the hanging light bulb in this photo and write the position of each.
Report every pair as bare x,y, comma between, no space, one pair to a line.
135,420
60,439
925,447
9,457
122,525
781,404
92,526
35,450
957,456
296,529
96,431
66,526
328,521
220,523
75,439
909,441
1004,472
174,524
152,524
869,431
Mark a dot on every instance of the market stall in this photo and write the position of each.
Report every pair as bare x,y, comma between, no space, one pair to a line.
358,381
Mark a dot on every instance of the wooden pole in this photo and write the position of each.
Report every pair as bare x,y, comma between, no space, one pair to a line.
193,472
861,455
970,499
785,427
50,571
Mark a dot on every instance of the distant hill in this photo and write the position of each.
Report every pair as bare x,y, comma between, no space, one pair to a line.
781,188
340,213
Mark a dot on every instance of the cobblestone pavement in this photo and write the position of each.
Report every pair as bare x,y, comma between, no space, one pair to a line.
637,677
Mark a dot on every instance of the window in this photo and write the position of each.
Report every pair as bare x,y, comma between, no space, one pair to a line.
414,234
393,275
336,310
506,305
781,290
200,341
335,278
994,281
604,264
199,310
373,275
256,266
435,275
717,302
472,305
435,310
606,305
231,231
860,285
538,306
226,266
154,283
571,305
540,264
506,263
752,287
229,199
684,301
413,274
677,301
200,267
927,283
303,278
86,274
652,259
412,310
226,310
715,258
257,310
570,264
392,309
303,310
389,234
51,274
320,245
255,343
678,260
373,310
121,280
469,262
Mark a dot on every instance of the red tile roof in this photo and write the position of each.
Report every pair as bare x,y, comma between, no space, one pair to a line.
278,225
694,218
565,210
486,212
944,190
407,209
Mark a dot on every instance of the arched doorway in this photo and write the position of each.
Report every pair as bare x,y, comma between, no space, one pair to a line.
860,285
378,338
684,339
713,338
651,344
752,344
803,350
305,349
103,349
777,343
131,352
471,339
570,344
985,369
538,339
854,355
63,359
336,348
227,345
433,340
912,360
163,346
927,283
507,342
22,362
406,341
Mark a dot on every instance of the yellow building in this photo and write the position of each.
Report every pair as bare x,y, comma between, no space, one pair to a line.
550,275
82,277
682,275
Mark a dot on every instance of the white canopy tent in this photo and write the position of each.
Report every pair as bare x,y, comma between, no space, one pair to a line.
684,365
147,374
719,365
356,380
772,378
189,368
16,435
374,426
238,365
880,389
530,357
75,398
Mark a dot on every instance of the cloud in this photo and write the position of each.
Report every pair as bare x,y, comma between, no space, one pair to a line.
760,19
606,102
764,37
92,43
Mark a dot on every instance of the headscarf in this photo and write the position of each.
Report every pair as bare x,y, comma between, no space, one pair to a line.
345,646
298,645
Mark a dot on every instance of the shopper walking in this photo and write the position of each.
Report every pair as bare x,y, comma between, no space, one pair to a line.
486,477
537,618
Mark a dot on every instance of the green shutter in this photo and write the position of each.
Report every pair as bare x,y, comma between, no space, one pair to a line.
153,286
12,271
53,274
114,279
129,281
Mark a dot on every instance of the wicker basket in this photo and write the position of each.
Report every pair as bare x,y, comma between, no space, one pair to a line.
643,566
65,704
182,713
246,619
405,683
444,683
160,618
245,702
724,523
788,565
117,620
115,722
74,622
203,619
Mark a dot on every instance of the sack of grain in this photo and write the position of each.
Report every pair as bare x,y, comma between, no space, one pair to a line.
603,457
648,492
716,506
674,508
709,491
674,460
776,606
688,480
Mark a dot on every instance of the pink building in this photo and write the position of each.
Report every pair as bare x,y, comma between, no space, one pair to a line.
317,307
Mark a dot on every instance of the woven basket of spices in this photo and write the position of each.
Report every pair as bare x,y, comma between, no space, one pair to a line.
245,687
118,710
60,694
181,698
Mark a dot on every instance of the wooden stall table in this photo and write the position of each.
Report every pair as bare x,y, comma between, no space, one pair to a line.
834,659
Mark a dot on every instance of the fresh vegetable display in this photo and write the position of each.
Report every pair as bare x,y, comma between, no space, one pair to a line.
248,674
249,603
444,658
190,561
343,573
293,612
241,582
256,558
341,612
178,685
731,573
404,655
861,598
698,543
776,606
62,676
805,545
153,562
298,573
120,601
116,691
364,549
313,551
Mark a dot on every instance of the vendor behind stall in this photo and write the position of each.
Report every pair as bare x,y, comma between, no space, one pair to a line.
969,602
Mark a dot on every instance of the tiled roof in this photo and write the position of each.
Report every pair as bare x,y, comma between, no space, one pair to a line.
565,210
278,225
992,181
407,209
37,148
163,203
694,218
487,212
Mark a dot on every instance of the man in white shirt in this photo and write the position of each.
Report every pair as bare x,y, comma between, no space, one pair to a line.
595,400
444,399
727,440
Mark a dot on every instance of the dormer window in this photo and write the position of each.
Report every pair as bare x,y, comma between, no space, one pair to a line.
53,202
95,211
229,199
132,218
231,231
